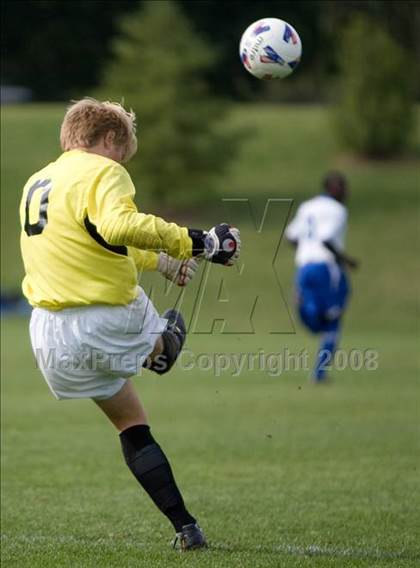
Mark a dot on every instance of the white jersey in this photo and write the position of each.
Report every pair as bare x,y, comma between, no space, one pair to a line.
318,220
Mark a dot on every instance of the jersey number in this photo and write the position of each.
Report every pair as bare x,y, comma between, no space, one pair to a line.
36,228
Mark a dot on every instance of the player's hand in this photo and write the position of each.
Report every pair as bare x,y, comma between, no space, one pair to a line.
222,244
179,271
352,263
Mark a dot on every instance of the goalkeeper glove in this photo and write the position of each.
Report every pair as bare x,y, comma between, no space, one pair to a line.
221,244
179,271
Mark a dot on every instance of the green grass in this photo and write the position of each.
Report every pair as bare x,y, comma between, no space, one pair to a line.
279,473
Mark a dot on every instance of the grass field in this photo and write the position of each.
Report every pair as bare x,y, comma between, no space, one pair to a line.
279,473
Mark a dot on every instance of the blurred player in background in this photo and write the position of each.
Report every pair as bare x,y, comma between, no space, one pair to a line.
322,289
83,244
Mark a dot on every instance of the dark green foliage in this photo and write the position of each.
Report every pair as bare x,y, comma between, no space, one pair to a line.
375,116
159,70
57,48
40,53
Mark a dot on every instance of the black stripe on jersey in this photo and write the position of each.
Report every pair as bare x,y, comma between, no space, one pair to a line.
93,232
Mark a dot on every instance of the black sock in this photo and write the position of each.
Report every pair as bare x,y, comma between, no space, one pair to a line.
151,468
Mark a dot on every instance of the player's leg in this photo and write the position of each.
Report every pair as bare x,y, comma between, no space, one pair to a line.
169,345
148,463
307,297
335,293
327,348
124,409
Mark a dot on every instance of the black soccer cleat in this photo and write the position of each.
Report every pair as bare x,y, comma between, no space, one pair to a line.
191,537
176,325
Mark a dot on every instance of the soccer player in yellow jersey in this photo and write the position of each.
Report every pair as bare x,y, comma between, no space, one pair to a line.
83,244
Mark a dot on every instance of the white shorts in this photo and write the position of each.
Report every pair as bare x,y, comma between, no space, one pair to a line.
89,352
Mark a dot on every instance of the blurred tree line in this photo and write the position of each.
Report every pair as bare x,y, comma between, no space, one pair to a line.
375,114
60,48
176,63
184,146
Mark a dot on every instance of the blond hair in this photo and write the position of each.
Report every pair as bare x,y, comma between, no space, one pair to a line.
87,120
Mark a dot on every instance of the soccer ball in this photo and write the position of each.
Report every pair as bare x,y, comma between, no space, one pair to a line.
270,49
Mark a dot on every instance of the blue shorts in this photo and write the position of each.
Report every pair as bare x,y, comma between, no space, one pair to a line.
322,291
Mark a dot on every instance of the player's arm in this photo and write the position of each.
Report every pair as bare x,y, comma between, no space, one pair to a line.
292,242
341,257
292,230
113,211
145,260
330,235
118,221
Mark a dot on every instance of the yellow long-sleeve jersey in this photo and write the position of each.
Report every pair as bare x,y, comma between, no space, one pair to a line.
83,240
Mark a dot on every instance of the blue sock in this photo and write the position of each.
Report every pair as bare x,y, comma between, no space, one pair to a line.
325,354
